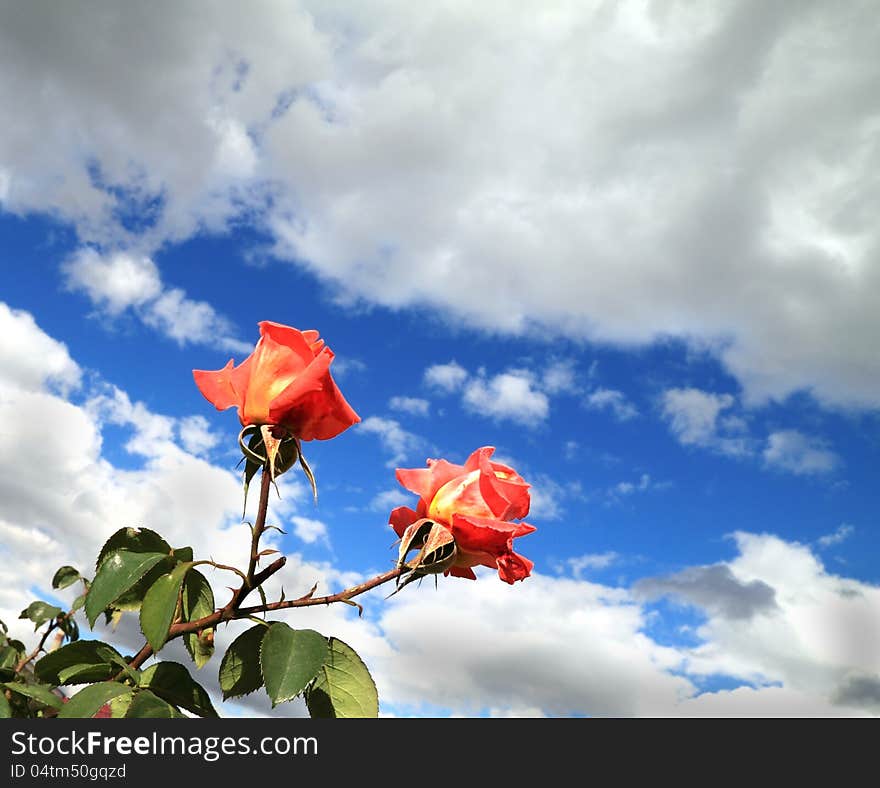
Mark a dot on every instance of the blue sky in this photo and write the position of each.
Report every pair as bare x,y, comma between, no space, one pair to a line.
599,241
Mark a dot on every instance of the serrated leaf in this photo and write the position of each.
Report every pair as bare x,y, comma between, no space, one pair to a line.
171,682
343,687
135,540
240,672
65,576
146,704
160,604
86,703
198,602
5,708
39,692
40,612
290,659
82,652
119,571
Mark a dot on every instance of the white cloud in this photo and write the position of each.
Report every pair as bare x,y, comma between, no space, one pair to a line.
195,435
29,358
560,377
412,405
613,400
580,564
476,646
838,536
693,417
509,396
446,377
113,282
386,500
692,196
821,630
625,489
343,367
790,450
120,281
397,441
309,530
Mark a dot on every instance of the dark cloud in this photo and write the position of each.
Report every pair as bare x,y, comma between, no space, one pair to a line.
714,588
861,690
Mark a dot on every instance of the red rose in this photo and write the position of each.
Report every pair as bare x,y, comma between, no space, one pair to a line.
285,381
477,502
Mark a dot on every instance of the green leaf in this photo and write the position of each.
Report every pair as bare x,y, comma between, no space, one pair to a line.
93,653
182,554
171,681
343,687
198,602
290,659
119,571
69,627
5,709
160,604
146,704
79,601
88,701
135,540
119,705
65,576
240,672
40,613
8,657
39,692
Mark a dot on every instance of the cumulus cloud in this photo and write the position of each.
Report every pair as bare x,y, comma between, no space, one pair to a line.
693,417
591,561
119,281
29,358
386,500
414,406
446,377
511,396
612,400
309,530
715,588
692,196
395,440
792,451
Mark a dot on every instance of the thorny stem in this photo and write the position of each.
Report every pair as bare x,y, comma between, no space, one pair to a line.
233,609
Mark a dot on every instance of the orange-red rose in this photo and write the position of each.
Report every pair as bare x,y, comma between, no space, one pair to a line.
285,381
477,502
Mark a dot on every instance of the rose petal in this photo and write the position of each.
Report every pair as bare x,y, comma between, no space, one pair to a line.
507,498
216,386
401,518
296,341
425,482
513,567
